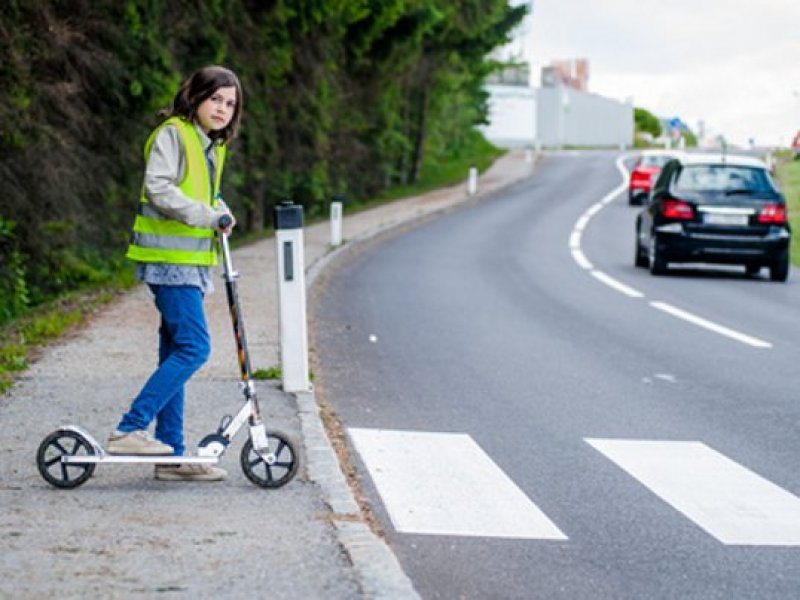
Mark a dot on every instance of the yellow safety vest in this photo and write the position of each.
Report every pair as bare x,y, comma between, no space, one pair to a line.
159,239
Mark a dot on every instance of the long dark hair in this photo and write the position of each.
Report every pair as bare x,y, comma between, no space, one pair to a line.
198,88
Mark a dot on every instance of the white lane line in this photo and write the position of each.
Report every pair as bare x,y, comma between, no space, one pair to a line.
581,259
727,500
443,483
594,209
617,285
720,329
583,221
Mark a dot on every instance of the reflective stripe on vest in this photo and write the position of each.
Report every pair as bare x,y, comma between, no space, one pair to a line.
157,238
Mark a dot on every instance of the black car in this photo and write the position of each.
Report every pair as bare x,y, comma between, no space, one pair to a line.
714,209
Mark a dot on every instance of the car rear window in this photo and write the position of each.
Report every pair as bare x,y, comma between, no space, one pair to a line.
654,161
728,179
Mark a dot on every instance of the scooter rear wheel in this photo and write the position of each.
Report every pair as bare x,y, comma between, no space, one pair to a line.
275,474
61,443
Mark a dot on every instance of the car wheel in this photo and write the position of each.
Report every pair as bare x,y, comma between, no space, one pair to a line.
779,270
658,266
640,259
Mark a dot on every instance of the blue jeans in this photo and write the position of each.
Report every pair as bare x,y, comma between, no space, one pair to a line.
184,347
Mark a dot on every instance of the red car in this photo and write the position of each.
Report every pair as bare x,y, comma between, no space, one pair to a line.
644,173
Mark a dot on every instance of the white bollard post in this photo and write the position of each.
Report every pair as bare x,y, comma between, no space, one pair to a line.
528,155
472,183
336,223
288,220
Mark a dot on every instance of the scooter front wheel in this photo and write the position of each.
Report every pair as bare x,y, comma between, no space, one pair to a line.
58,444
279,469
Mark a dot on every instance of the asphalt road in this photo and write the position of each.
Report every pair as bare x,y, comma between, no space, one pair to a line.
483,323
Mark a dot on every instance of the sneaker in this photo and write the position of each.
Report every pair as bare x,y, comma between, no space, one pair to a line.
190,472
136,442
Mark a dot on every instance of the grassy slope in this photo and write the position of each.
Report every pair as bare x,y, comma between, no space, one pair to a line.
789,177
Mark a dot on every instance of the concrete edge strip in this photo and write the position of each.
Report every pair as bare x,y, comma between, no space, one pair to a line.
323,464
379,571
377,568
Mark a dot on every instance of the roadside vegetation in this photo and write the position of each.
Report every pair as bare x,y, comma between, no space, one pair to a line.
22,337
648,127
788,174
341,98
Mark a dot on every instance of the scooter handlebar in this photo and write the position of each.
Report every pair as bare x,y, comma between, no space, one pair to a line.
224,221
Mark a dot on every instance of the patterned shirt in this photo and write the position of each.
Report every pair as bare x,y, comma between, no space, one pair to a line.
166,274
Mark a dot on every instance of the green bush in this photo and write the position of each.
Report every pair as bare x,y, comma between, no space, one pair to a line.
14,296
646,122
788,173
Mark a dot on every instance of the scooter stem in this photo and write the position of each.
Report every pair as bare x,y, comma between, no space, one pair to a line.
230,276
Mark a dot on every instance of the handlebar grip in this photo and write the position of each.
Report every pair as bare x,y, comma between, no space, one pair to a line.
224,221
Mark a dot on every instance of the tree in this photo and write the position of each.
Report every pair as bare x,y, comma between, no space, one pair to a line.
454,60
341,96
646,122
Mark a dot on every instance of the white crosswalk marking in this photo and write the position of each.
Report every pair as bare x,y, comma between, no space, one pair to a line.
444,483
727,500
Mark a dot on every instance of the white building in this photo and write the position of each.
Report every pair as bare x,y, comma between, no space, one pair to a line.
568,117
512,116
524,116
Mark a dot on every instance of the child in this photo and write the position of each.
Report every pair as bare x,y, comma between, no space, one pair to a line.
173,245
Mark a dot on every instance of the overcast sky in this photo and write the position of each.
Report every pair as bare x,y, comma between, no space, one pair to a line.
733,63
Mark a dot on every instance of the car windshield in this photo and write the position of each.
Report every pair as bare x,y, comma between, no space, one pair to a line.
728,179
654,161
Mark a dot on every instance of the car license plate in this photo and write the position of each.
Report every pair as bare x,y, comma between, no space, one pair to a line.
725,219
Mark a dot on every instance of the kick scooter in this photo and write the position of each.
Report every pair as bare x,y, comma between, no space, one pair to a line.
68,456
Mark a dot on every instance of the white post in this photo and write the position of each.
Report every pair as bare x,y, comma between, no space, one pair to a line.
528,155
472,183
336,223
292,297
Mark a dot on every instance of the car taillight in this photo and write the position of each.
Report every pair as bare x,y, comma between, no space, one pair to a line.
676,209
640,177
772,213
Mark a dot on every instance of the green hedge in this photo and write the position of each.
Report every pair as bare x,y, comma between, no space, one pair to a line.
788,172
349,97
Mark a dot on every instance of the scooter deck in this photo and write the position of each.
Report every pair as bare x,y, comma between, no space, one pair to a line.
154,459
101,456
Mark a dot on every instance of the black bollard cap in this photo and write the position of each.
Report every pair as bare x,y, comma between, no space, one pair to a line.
288,216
